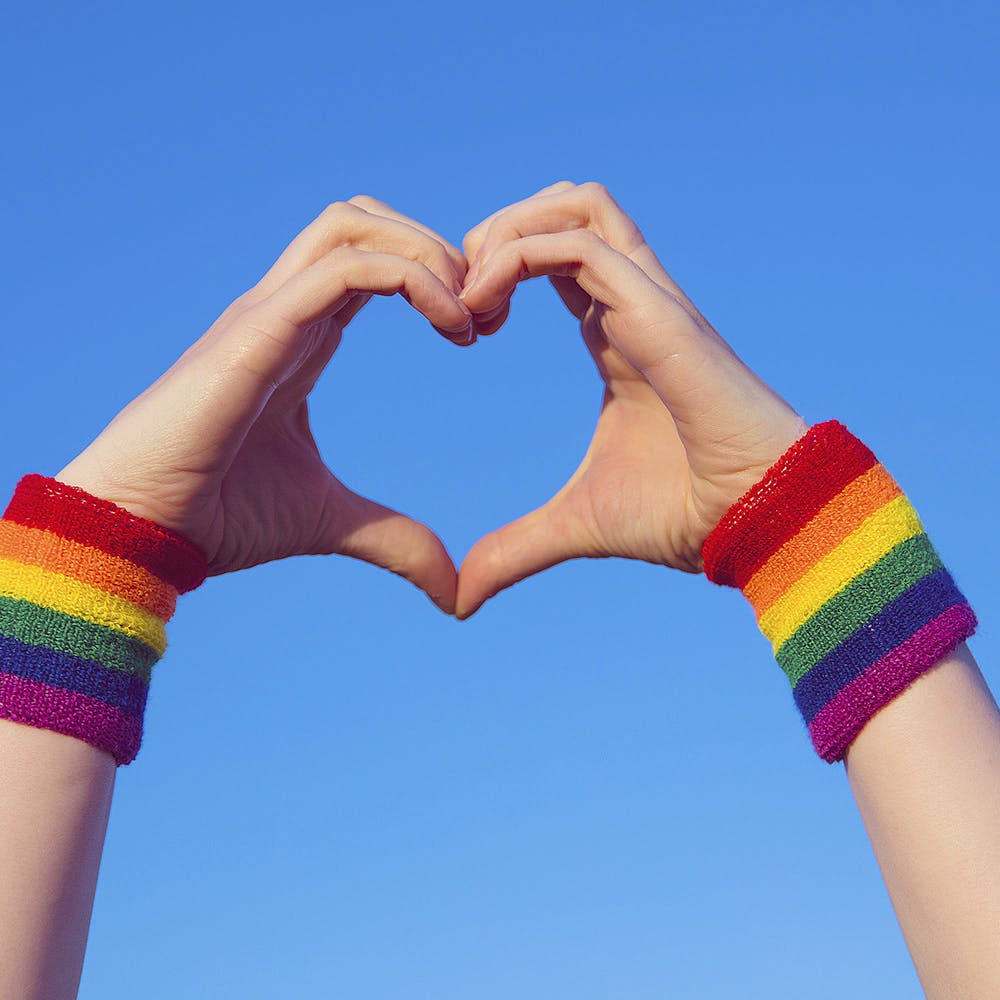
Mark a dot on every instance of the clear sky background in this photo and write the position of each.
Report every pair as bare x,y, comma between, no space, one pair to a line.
598,787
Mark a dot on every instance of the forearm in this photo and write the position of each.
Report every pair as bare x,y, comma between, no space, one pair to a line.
925,772
86,589
55,796
869,627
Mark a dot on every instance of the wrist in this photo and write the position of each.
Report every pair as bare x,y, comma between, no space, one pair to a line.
82,474
86,588
843,580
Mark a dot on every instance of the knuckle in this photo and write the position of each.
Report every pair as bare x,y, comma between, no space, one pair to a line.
337,215
442,260
486,234
588,239
595,191
413,273
336,208
342,256
243,302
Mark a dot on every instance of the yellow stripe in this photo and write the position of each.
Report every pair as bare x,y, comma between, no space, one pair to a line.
51,551
859,551
73,597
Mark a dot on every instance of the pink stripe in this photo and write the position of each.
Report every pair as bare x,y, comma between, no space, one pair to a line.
105,726
839,721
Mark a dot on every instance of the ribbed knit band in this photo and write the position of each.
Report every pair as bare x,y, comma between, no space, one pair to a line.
843,579
85,591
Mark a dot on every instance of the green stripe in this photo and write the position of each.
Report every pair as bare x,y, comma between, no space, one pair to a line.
38,626
860,601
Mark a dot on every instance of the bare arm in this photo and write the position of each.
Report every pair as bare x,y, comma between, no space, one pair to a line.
55,796
925,773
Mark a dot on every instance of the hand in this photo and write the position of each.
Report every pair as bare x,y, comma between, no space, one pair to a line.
685,429
219,448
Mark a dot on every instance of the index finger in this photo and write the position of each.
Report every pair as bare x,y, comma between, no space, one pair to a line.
475,236
376,207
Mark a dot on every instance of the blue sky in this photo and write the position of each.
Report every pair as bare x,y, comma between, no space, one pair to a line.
599,786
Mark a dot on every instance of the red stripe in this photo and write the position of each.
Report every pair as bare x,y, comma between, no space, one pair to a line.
807,477
73,513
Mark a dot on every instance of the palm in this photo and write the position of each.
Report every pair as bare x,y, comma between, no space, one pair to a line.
632,494
658,486
273,500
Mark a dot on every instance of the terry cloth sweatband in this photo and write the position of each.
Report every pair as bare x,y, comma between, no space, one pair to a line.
843,580
85,591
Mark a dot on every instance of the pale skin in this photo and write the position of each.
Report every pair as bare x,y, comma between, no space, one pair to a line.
211,448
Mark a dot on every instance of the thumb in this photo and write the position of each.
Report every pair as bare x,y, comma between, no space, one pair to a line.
535,542
360,528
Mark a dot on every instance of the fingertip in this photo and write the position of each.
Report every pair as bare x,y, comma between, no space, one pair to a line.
461,332
473,589
465,337
492,322
464,612
444,604
440,584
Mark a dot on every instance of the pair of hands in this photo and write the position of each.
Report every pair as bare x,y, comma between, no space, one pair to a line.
219,448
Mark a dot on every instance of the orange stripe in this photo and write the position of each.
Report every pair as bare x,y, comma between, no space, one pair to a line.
858,500
113,575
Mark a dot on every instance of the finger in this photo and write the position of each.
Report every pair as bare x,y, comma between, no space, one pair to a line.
475,236
269,336
488,327
584,206
488,323
576,300
355,304
366,530
376,207
601,272
348,224
321,289
514,552
587,206
654,326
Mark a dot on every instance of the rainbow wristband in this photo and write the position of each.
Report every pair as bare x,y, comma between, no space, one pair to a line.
843,579
85,591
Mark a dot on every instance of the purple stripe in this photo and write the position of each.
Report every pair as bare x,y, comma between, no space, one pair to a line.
74,714
880,635
62,670
836,725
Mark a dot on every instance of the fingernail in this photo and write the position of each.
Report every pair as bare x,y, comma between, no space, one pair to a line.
470,278
462,337
460,331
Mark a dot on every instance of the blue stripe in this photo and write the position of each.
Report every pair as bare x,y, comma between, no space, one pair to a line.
895,623
61,670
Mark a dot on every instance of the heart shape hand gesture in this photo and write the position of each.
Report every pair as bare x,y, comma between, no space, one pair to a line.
220,450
